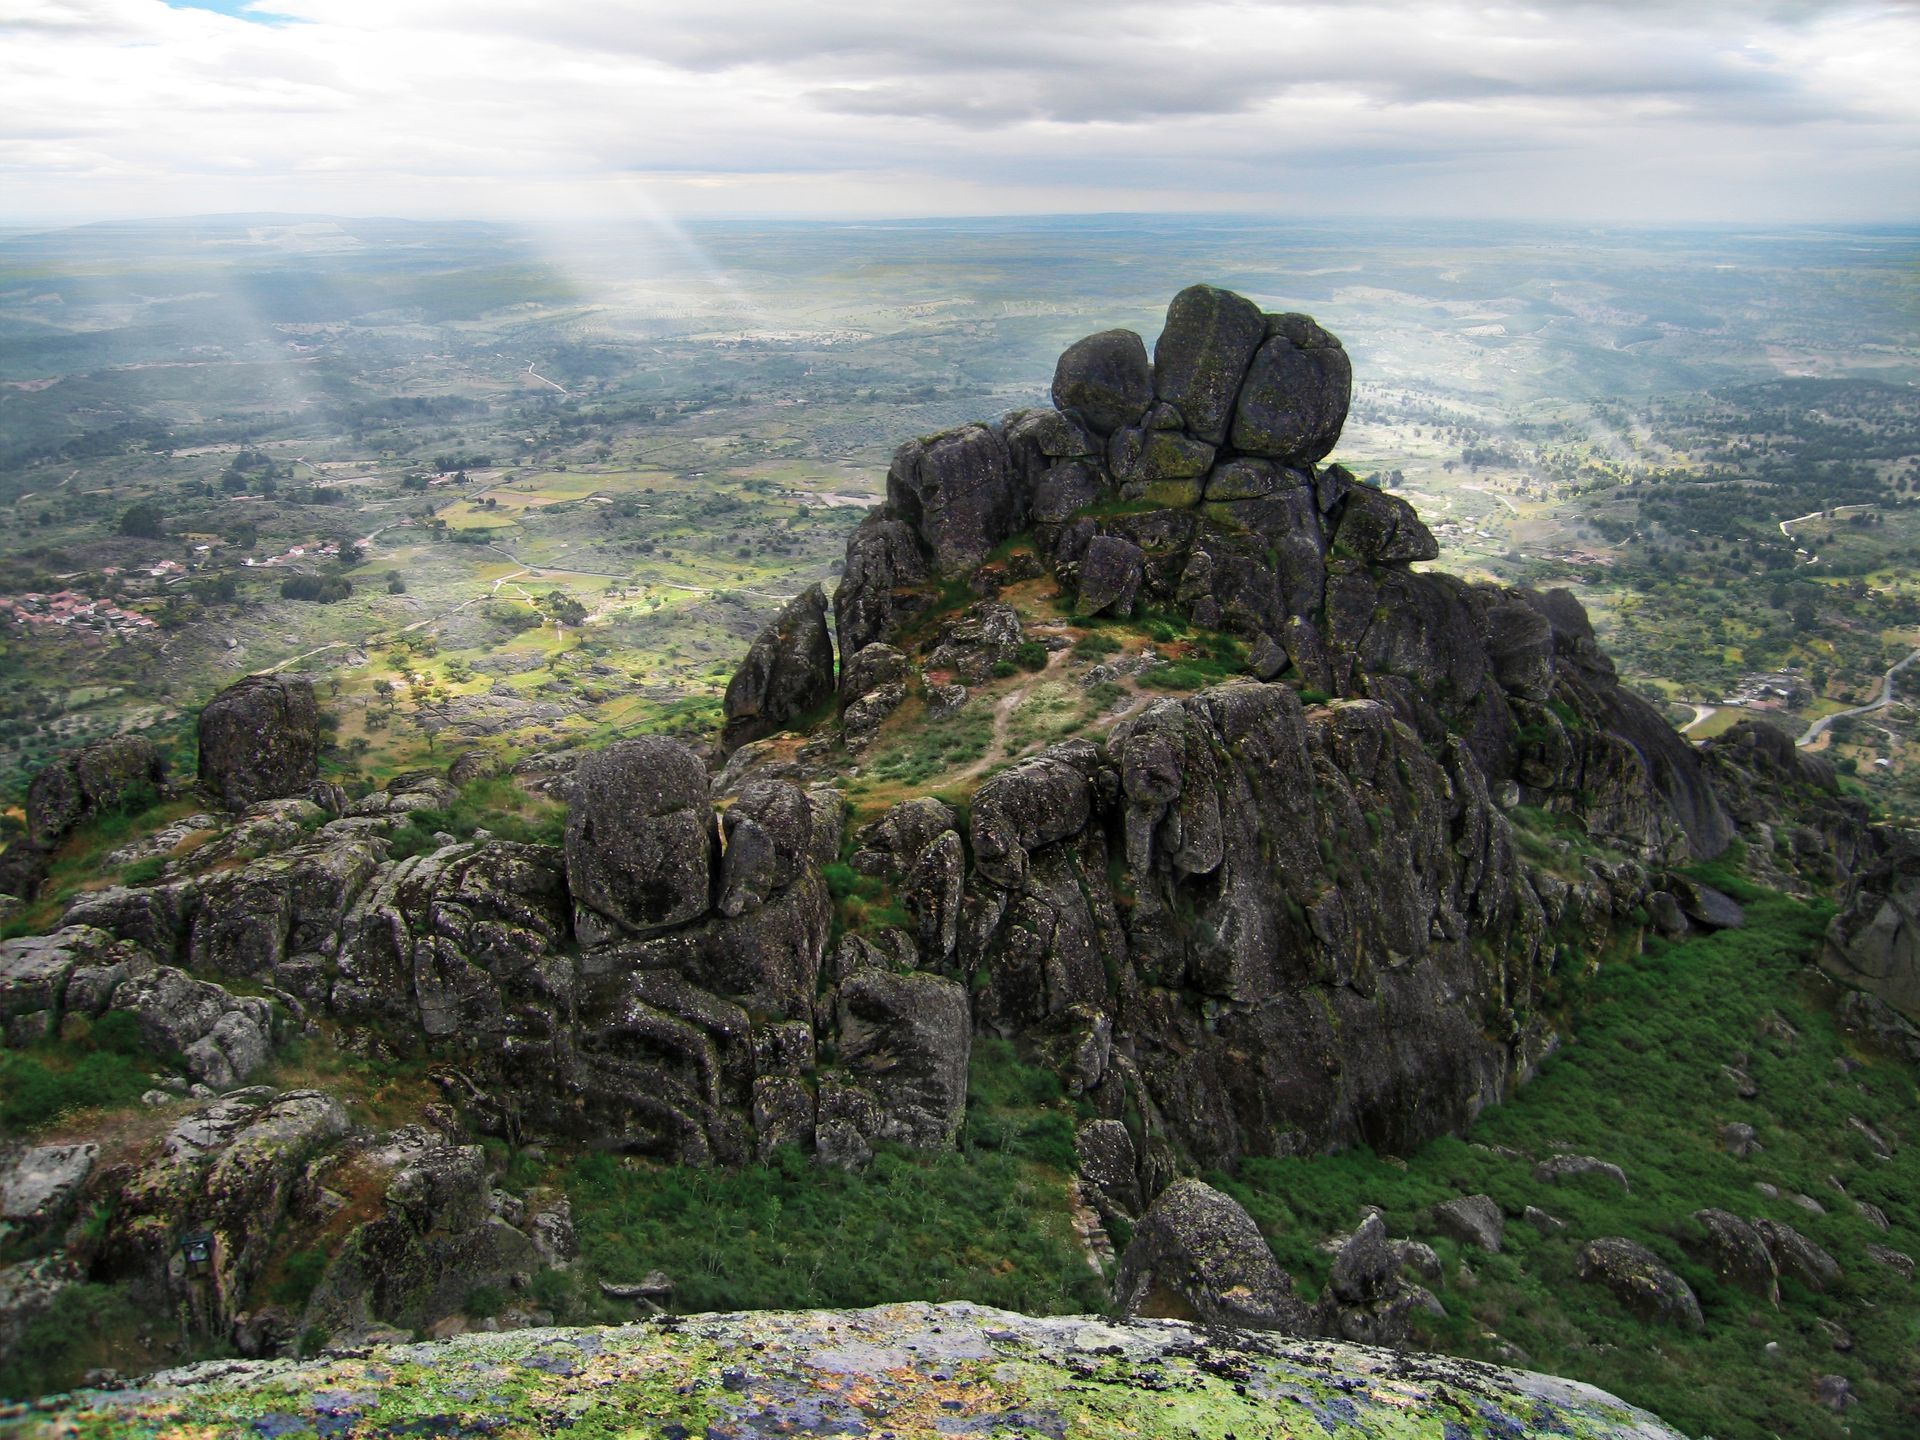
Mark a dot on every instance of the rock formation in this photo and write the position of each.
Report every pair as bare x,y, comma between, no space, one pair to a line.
106,775
1276,916
787,673
1874,942
902,1369
260,740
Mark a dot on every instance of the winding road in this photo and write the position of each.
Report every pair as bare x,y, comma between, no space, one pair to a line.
1886,698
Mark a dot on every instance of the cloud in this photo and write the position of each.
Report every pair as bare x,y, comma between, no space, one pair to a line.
1707,110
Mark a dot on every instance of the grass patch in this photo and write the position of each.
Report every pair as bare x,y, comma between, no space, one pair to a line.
986,1223
497,805
932,747
102,1066
86,1326
1049,712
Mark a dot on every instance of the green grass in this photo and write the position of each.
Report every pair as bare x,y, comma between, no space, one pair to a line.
105,1066
987,1222
86,1325
935,746
496,804
1642,1086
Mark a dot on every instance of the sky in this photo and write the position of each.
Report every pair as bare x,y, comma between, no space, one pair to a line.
1607,111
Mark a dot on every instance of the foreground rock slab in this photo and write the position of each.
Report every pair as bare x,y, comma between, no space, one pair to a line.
906,1370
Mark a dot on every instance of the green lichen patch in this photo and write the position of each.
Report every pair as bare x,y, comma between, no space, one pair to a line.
913,1372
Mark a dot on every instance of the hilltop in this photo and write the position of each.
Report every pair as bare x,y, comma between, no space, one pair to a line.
1141,821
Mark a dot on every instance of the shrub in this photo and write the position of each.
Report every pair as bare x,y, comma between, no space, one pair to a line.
1094,644
1030,655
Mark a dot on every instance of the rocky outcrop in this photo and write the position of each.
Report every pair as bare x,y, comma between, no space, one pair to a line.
1873,943
198,1225
106,775
80,972
1225,513
907,1369
787,673
260,740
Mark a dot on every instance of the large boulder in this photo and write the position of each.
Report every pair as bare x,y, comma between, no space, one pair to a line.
1873,943
883,585
1365,1299
260,740
1107,378
787,673
640,839
40,1186
1736,1252
1640,1281
958,492
1110,575
1294,401
106,775
1197,1255
1472,1220
905,1040
1202,355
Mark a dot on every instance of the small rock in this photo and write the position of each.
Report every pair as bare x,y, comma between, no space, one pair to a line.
1556,1168
1872,1214
1797,1257
1738,1140
1873,1137
1365,1264
1808,1204
1833,1392
1640,1281
1509,1353
1836,1333
1895,1260
1472,1220
1543,1222
1737,1253
1419,1257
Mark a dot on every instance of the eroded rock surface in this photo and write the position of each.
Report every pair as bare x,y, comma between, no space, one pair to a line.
909,1368
260,740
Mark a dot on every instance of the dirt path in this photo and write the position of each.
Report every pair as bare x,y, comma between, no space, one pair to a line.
1701,714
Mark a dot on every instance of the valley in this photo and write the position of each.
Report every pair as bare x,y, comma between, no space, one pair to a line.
671,432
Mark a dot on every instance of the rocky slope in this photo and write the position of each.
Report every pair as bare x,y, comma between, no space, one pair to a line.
903,1370
1294,912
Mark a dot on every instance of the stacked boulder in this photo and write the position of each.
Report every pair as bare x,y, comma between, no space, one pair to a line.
1194,481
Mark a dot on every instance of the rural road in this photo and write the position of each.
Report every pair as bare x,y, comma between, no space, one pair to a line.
1838,511
1886,697
1701,714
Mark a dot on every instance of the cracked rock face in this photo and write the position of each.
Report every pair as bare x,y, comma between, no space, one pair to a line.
912,1369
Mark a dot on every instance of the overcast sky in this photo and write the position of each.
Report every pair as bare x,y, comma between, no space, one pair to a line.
1612,110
